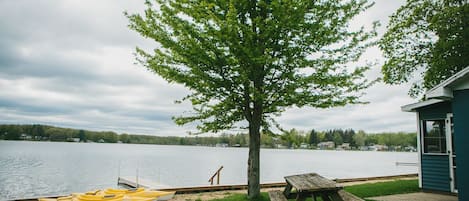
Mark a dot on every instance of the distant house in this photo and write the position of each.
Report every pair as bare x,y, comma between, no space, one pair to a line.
326,145
236,145
364,148
410,149
25,137
345,146
378,147
221,145
73,139
443,136
280,146
304,146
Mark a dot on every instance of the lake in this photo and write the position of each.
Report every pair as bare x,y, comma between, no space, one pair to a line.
32,169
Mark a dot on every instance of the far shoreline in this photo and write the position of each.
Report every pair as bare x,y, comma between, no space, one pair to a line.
208,146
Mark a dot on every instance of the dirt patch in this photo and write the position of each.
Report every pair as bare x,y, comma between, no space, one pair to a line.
221,194
213,195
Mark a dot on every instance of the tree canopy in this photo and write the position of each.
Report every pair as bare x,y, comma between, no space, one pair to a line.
426,39
248,61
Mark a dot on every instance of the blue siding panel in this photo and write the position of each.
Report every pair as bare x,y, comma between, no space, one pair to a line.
461,138
435,172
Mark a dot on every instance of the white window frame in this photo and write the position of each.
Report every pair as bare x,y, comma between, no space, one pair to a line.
449,148
419,148
422,132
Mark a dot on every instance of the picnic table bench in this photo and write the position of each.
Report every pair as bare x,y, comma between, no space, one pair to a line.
300,187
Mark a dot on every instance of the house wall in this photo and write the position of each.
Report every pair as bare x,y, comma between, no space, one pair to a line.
435,111
434,167
435,172
461,138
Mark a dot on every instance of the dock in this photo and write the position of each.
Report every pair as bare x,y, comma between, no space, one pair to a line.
131,183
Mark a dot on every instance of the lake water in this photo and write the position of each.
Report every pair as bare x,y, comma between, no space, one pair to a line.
32,169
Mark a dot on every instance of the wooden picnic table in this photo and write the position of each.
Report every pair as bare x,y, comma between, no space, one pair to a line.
311,185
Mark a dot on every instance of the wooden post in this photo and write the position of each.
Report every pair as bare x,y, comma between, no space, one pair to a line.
218,177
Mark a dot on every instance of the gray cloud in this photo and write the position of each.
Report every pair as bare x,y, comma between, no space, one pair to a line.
70,63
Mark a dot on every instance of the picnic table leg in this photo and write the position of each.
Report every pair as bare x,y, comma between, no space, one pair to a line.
325,197
314,197
300,197
336,197
287,190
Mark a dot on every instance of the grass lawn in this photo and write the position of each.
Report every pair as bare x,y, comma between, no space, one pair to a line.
360,190
384,188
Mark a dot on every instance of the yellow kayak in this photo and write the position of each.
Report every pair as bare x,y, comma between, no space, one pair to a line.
123,191
66,198
106,197
160,195
141,193
136,198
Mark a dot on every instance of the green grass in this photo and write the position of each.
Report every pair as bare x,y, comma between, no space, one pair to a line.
384,188
361,190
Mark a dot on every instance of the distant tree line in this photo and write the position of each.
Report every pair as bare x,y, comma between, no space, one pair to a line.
289,139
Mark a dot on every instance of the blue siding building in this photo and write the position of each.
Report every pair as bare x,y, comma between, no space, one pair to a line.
443,136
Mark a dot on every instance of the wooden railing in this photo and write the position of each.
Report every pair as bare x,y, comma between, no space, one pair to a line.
217,173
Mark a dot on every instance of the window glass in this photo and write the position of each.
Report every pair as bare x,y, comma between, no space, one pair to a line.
434,138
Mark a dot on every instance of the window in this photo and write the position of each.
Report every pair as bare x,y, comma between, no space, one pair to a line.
434,138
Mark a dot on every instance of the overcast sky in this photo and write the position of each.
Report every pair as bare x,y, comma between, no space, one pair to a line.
70,63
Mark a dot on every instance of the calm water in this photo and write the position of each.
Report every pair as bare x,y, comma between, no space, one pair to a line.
31,169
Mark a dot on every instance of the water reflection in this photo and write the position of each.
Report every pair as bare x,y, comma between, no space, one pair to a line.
31,169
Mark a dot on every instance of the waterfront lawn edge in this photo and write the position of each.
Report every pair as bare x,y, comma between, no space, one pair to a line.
361,190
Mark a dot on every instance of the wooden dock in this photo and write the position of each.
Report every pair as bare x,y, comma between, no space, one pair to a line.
132,183
401,176
197,189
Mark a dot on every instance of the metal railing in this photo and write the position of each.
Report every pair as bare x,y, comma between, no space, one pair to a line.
406,164
217,173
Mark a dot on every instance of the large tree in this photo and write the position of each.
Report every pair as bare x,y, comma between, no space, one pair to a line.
426,39
248,61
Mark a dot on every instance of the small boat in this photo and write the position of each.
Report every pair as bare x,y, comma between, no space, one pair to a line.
137,194
66,198
98,197
136,198
165,195
142,193
123,191
86,197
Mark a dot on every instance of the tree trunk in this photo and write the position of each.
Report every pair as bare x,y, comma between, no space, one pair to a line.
254,159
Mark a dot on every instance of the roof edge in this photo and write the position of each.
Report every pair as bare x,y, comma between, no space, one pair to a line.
412,107
441,91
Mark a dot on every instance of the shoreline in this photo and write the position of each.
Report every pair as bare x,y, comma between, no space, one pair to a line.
219,191
229,147
342,182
